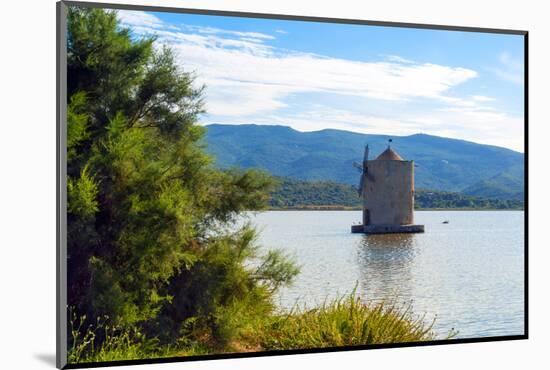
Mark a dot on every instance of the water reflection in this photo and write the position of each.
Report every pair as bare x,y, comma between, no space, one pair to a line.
385,262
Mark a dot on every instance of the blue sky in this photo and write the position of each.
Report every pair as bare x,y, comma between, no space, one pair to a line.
379,80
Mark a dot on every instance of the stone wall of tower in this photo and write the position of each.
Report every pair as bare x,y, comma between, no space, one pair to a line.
388,193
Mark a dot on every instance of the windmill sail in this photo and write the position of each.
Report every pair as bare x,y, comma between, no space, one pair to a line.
363,169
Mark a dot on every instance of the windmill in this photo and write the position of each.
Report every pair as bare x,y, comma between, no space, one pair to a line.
363,169
387,191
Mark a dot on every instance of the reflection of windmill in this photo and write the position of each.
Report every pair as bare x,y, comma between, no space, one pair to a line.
363,168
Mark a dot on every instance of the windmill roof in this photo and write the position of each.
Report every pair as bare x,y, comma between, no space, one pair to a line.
389,155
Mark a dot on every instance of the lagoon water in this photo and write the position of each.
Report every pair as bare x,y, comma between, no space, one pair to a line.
467,274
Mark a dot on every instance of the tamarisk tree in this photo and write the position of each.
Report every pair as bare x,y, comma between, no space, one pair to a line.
148,214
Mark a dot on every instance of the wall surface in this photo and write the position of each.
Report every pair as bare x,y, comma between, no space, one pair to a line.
27,141
388,192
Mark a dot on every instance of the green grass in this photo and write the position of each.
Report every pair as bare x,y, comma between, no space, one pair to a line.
116,343
346,321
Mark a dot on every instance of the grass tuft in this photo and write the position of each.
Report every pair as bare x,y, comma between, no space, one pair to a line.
347,321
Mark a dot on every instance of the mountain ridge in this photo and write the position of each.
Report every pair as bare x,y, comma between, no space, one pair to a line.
444,164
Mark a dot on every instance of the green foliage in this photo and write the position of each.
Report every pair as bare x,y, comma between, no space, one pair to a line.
506,185
82,195
276,270
297,194
149,218
104,62
77,123
236,284
102,341
345,321
237,191
441,199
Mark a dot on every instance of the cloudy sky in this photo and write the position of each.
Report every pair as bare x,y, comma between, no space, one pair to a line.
377,80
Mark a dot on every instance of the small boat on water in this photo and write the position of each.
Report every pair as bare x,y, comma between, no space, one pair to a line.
445,222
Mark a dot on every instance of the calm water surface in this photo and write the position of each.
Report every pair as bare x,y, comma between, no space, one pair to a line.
468,273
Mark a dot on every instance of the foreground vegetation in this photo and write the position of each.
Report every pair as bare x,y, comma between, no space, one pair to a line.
157,264
152,240
346,322
342,322
299,194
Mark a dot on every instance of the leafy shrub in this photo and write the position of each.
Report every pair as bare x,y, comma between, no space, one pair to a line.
151,242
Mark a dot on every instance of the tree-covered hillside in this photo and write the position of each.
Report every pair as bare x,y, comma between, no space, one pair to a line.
505,185
298,193
440,199
441,163
328,194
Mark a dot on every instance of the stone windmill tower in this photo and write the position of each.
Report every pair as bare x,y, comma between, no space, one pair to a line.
387,189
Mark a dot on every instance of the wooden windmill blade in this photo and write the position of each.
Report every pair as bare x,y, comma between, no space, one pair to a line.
358,166
364,170
366,155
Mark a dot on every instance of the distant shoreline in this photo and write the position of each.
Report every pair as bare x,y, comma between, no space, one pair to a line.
335,208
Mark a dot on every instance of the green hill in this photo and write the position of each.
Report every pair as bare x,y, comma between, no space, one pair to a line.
442,164
299,193
328,194
505,185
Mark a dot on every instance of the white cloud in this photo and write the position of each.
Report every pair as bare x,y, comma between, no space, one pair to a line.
398,59
472,124
480,125
248,63
243,98
482,98
283,32
249,80
142,19
218,31
282,74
